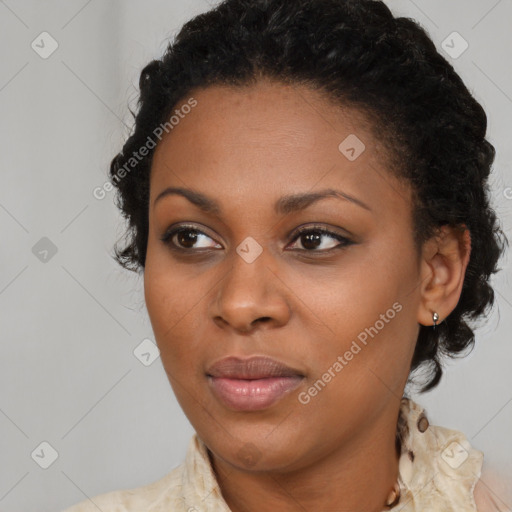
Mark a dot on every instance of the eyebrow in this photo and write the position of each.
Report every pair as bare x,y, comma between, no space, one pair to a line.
284,205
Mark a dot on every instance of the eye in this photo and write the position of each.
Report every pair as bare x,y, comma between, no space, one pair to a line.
311,239
184,238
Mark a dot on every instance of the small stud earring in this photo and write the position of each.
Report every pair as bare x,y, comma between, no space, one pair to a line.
435,318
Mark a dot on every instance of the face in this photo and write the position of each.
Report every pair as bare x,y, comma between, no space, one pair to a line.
286,316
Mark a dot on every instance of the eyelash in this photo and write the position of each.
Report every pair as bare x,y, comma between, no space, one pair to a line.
344,241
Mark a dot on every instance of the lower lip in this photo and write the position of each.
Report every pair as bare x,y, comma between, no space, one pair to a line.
252,395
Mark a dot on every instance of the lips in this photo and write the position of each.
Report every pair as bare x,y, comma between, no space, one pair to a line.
251,384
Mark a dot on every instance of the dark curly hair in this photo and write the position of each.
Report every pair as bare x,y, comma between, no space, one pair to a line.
361,56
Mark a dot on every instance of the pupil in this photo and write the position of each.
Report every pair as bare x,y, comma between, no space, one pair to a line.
185,237
315,238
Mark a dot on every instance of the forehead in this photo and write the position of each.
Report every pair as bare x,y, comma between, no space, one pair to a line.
269,139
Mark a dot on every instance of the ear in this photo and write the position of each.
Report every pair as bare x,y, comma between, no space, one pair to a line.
443,266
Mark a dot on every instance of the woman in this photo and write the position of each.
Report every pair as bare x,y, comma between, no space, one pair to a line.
306,193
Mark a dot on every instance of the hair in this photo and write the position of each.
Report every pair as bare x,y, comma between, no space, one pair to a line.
360,56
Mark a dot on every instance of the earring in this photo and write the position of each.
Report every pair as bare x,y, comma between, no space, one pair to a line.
435,318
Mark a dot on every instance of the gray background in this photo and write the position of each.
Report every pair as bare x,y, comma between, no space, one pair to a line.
71,320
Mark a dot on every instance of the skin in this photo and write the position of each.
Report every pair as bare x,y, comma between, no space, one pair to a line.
245,148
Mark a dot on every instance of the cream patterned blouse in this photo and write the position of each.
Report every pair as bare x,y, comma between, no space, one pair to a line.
438,471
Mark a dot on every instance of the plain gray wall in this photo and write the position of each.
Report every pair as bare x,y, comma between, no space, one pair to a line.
68,374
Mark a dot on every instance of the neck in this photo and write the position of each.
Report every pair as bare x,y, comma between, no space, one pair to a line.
358,476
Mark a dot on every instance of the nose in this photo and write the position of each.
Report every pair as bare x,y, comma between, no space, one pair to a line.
251,294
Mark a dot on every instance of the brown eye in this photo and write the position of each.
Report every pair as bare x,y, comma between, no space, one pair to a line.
185,238
312,239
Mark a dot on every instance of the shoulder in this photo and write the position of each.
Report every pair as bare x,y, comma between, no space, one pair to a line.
138,498
438,467
191,482
493,492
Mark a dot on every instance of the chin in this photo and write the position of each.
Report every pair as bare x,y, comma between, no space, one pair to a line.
255,447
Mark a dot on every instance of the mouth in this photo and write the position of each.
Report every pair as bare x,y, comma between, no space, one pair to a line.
251,384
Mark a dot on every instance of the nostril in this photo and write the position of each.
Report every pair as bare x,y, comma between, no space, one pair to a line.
263,319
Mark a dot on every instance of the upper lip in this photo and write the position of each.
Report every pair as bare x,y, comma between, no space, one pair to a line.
256,367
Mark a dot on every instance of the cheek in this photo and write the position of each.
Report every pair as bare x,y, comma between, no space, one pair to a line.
173,318
172,301
356,372
371,318
168,289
